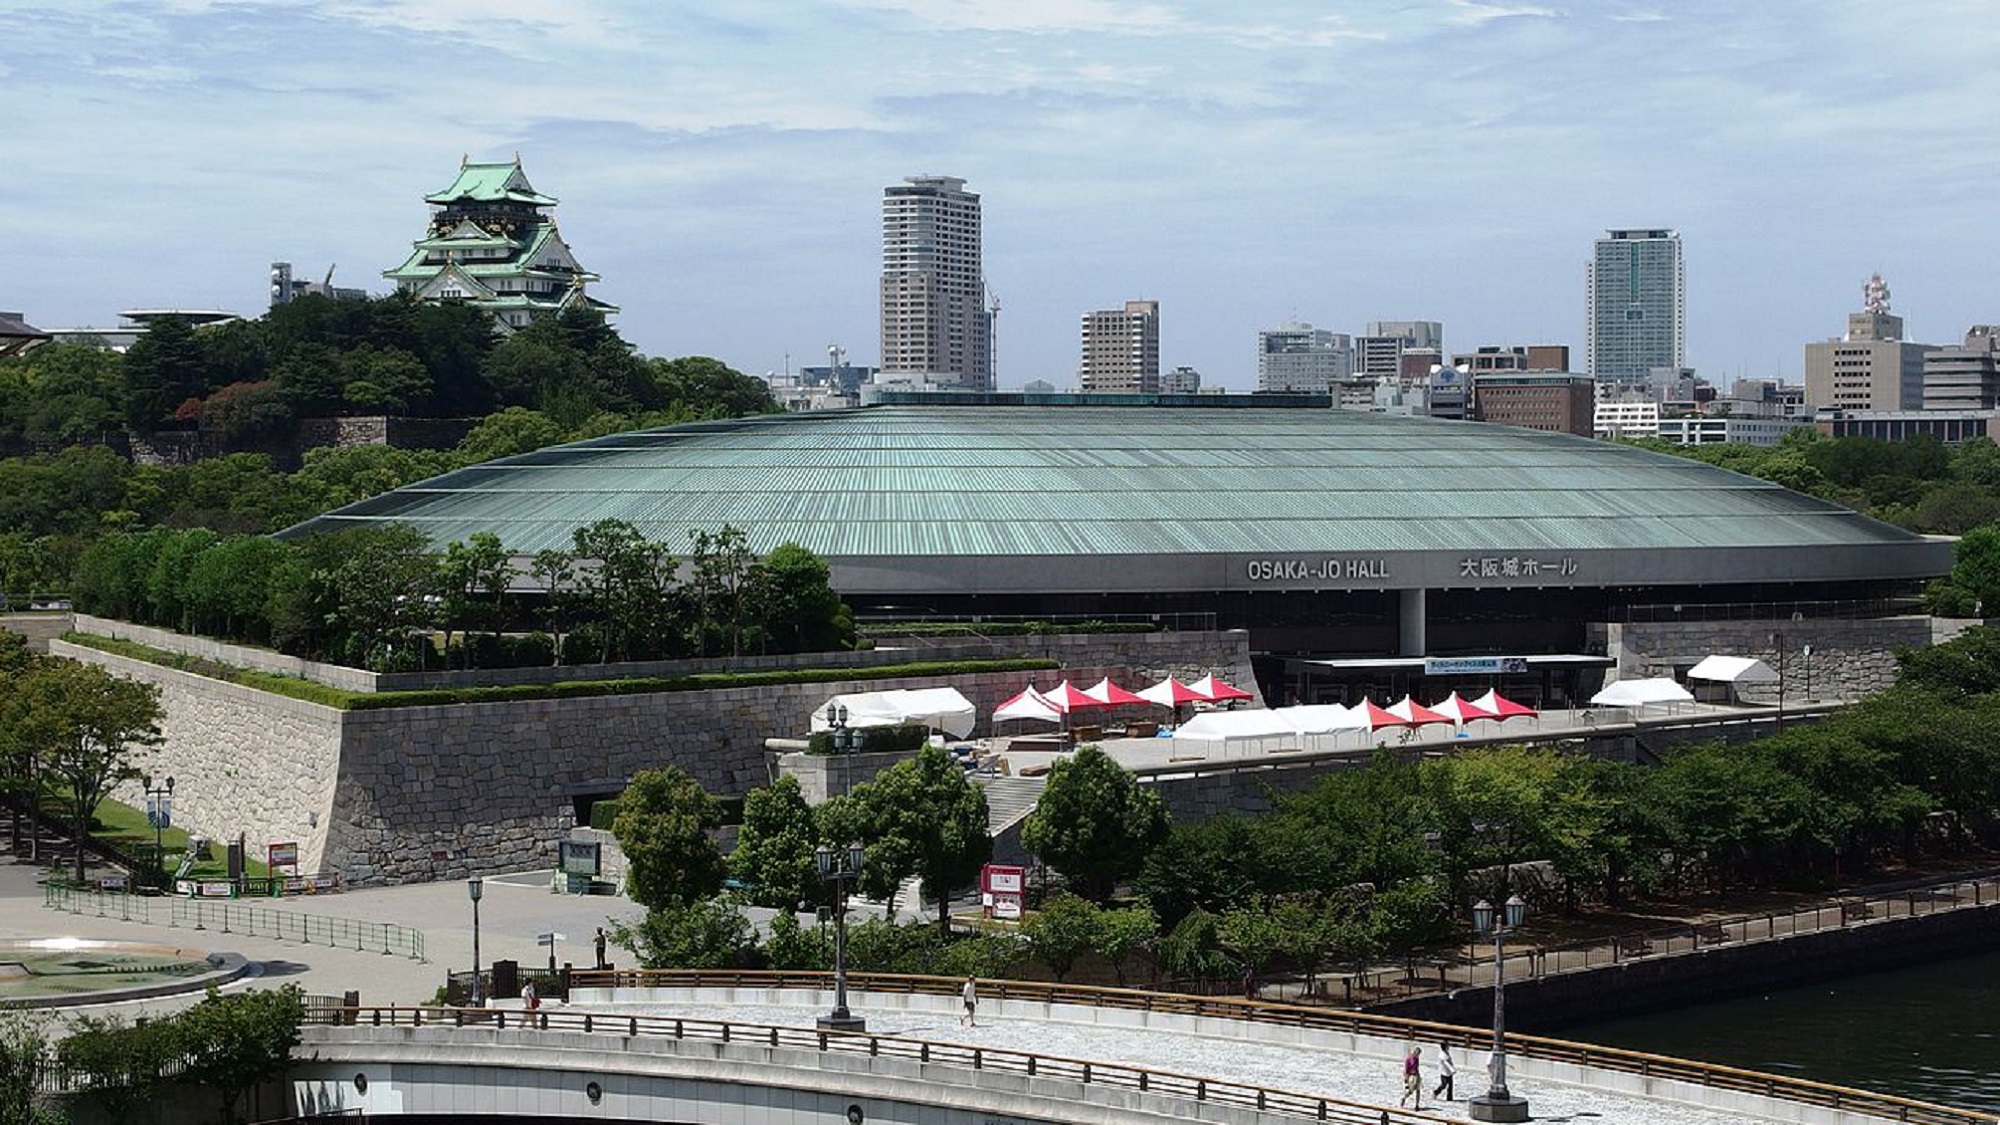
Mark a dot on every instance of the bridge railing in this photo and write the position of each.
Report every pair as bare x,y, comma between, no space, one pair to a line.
1710,1075
1165,1083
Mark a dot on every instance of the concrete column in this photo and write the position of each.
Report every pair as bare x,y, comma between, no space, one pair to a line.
1410,623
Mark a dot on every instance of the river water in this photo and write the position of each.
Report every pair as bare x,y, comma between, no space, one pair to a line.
1931,1032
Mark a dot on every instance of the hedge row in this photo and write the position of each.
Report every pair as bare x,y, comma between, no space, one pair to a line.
903,738
313,692
1003,628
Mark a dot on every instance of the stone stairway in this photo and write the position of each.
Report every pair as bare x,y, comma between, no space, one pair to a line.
1009,800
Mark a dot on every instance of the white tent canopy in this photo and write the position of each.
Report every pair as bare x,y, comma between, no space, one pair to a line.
939,708
1642,693
1235,734
1733,670
1322,718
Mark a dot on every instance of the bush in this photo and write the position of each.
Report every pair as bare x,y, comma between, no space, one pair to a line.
1004,628
905,738
602,813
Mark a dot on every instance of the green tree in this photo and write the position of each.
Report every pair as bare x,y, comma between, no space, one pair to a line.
84,723
792,947
689,934
382,580
228,589
1094,822
512,431
165,367
246,412
238,1040
663,825
24,1052
1065,928
774,847
472,582
1124,932
796,607
127,1065
1252,937
926,807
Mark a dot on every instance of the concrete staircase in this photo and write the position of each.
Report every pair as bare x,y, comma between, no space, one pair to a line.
1009,800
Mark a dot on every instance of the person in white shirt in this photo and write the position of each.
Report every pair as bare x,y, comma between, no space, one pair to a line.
970,995
1446,1071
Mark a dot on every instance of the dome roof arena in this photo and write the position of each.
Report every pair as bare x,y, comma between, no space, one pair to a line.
1090,498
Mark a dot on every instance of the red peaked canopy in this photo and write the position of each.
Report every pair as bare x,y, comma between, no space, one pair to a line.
1216,691
1416,714
1379,718
1462,711
1502,707
1171,693
1069,697
1110,694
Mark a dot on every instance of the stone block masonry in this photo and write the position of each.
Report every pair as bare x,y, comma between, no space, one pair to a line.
418,793
1851,659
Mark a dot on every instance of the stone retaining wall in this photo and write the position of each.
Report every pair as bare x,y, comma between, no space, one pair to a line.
242,760
1851,659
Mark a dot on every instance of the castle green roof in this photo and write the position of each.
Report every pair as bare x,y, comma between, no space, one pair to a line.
487,183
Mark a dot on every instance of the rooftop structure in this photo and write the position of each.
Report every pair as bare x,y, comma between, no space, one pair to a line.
285,288
1871,367
18,336
1311,524
492,243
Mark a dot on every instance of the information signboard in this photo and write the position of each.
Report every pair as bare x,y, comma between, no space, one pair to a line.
581,857
1001,887
283,854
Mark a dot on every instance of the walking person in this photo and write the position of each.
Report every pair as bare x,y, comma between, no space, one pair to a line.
1413,1078
528,998
969,995
1446,1072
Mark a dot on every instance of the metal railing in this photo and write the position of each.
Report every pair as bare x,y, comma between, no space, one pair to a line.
236,918
1710,1075
1121,1076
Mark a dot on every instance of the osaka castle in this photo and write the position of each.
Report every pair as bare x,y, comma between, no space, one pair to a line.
493,244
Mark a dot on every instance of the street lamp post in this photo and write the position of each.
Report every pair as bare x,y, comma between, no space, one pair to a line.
840,868
473,888
1806,651
1498,1104
159,814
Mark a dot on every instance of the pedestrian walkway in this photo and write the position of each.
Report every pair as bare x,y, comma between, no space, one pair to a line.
1307,1070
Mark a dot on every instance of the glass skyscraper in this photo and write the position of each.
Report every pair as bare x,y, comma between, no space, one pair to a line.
1636,314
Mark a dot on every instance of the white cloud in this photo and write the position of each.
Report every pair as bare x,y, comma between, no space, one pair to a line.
1477,12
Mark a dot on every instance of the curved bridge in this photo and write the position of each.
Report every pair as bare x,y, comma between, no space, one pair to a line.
636,1036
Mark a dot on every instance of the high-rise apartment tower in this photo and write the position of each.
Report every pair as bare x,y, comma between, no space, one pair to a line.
1121,349
1635,305
935,322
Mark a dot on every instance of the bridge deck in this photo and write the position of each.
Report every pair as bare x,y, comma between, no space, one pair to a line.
1358,1077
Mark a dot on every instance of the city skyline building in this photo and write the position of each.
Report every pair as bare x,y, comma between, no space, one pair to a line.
936,325
1121,349
1556,401
1180,381
1379,352
1635,305
1871,366
285,288
1965,376
1295,356
492,243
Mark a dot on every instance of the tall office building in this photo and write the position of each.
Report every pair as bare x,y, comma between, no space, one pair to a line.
1379,353
1299,357
1121,349
1966,377
1872,367
1635,305
935,323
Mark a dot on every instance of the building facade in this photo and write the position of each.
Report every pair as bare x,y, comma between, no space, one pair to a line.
285,288
1121,349
1180,381
1710,429
1635,305
1379,353
936,327
493,244
1555,401
1299,357
1966,377
1871,367
1947,426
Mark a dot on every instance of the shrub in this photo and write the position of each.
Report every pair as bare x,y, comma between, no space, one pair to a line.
904,738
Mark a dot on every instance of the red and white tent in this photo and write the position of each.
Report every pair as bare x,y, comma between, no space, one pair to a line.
1171,693
1068,697
1215,691
1462,711
1416,714
1031,705
1503,708
1111,695
1380,717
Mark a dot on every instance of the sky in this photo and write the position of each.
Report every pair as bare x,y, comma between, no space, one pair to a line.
1245,163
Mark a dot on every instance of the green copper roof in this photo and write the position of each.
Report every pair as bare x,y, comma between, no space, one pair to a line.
1116,480
487,183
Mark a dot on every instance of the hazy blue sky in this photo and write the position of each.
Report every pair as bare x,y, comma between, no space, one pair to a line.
721,163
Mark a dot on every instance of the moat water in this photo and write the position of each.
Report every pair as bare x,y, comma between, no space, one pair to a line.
1930,1032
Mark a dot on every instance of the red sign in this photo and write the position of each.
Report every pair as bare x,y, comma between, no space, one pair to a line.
283,854
1000,890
